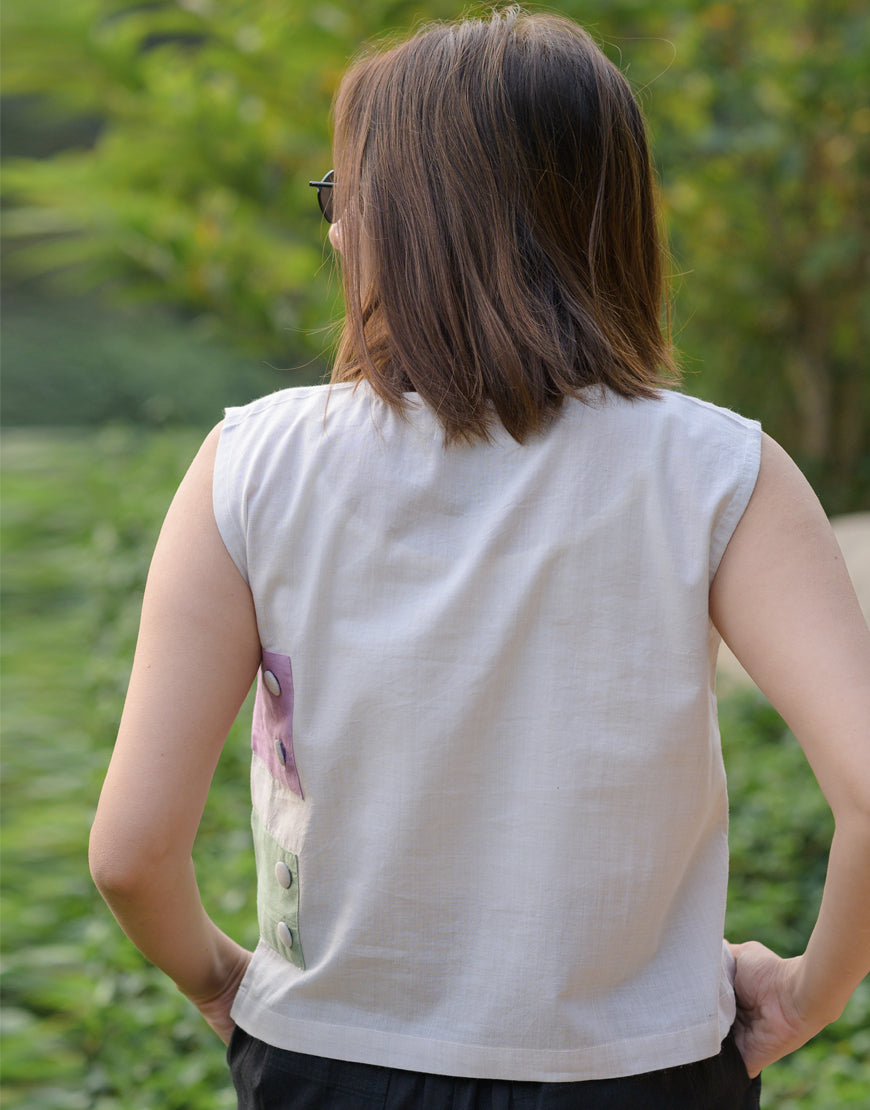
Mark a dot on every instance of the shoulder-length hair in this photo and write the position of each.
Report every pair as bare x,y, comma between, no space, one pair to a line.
498,225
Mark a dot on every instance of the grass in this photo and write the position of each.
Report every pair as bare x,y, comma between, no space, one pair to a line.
88,1025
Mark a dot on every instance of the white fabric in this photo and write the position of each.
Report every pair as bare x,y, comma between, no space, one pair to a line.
513,839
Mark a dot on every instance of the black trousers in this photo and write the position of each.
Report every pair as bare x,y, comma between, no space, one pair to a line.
268,1078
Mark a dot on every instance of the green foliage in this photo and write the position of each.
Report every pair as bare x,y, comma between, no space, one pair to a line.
83,362
196,189
88,1025
782,827
765,147
213,117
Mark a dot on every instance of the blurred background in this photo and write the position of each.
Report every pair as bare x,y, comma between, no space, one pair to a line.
164,257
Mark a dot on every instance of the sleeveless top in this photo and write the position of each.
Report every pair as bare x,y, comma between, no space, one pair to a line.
489,804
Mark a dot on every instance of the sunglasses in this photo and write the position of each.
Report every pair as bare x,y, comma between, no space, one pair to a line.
324,194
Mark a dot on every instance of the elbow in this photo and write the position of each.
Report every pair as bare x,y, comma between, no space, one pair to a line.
130,864
111,873
850,802
851,811
854,821
119,867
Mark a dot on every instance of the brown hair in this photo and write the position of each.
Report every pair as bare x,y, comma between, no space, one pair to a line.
498,225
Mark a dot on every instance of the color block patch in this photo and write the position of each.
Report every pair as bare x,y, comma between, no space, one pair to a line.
277,894
272,729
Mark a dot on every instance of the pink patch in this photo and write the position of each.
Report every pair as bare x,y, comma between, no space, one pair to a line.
272,729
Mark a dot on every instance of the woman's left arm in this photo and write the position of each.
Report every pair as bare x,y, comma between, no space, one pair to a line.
196,657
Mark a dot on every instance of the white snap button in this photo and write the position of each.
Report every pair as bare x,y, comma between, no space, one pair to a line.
280,752
283,874
272,683
284,935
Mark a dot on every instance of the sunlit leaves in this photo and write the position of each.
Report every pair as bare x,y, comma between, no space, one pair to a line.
215,116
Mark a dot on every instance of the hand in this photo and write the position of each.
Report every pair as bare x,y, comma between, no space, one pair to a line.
769,1023
216,1007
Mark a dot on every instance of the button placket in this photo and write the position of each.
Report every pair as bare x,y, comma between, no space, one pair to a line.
272,725
277,894
284,879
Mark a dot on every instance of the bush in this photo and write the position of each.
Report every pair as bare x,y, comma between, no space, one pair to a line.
88,1025
81,361
204,121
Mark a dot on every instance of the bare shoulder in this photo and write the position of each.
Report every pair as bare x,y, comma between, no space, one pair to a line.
783,546
783,601
200,474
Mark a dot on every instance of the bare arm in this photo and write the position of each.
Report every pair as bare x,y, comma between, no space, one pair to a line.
196,656
784,604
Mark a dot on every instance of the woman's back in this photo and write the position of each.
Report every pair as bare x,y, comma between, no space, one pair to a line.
501,780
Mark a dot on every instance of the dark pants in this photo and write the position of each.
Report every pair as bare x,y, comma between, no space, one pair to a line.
269,1078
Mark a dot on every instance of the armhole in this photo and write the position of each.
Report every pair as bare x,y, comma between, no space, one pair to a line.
227,499
735,505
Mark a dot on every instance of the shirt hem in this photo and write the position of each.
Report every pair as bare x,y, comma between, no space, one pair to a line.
514,1063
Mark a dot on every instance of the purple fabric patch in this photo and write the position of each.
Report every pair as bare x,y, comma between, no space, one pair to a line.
272,729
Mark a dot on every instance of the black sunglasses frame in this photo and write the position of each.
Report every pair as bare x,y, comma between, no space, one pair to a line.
324,198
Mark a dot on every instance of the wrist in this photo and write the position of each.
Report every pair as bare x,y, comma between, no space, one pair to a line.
226,965
816,1000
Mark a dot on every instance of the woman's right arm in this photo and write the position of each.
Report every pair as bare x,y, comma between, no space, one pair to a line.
783,602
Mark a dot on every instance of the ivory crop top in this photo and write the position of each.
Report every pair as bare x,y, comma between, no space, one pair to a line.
489,806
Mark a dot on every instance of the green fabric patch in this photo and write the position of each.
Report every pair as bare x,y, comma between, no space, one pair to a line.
277,894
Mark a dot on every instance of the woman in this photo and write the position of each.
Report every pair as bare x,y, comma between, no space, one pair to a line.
481,581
